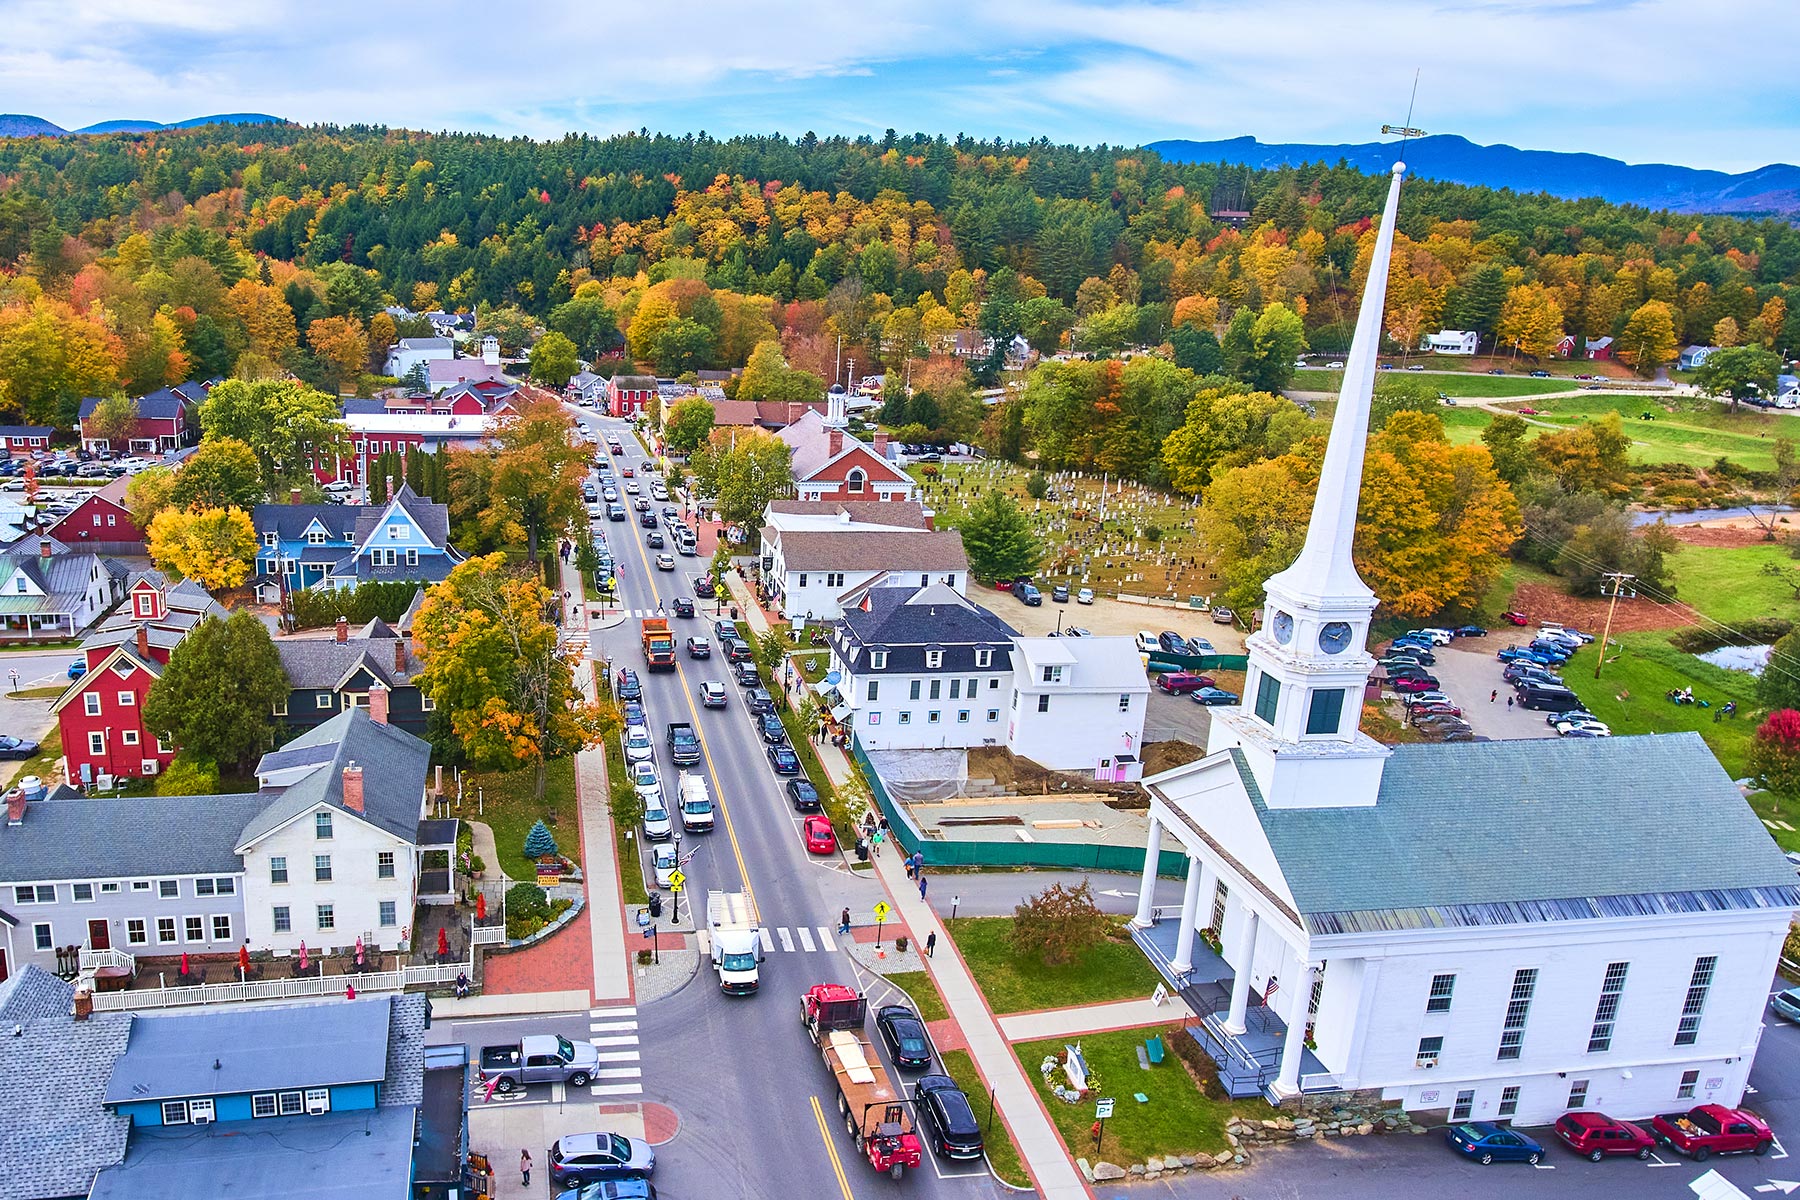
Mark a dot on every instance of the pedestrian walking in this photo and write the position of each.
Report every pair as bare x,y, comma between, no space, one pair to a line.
909,867
1493,695
1509,703
922,882
525,1166
844,921
918,863
930,943
876,843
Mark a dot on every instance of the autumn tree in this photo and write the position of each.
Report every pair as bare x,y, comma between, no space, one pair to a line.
1648,340
114,419
214,547
148,493
1590,457
1738,373
688,423
1775,753
1058,925
493,665
259,320
284,424
554,361
998,539
221,473
1609,542
342,347
155,355
535,492
50,357
1227,428
1531,321
743,473
216,696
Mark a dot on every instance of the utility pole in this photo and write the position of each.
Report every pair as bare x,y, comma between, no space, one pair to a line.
1614,587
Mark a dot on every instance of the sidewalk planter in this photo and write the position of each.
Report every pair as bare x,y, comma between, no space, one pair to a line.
556,923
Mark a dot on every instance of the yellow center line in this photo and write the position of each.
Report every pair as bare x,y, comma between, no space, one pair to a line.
694,713
837,1166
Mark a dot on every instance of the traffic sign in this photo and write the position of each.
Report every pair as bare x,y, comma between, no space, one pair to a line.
882,911
676,881
1103,1109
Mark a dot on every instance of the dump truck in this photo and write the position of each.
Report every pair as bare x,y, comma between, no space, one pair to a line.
659,644
684,744
736,937
874,1111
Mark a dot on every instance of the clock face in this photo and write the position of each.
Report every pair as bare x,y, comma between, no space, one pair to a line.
1335,637
1283,628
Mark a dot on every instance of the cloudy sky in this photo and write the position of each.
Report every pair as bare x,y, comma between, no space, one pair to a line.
1642,80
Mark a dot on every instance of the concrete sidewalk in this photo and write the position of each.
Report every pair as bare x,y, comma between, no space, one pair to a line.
1088,1018
600,863
527,1004
1015,1096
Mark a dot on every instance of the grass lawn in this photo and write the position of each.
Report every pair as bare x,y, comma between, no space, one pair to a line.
1775,811
1728,583
38,693
1474,386
1631,694
509,810
1113,970
49,751
1002,1155
1178,1119
922,992
1691,438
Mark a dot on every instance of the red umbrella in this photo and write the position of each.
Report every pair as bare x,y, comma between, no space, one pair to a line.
244,959
184,962
481,906
303,956
359,951
443,944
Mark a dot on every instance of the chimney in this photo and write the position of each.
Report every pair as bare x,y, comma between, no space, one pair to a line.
378,705
399,656
881,443
15,807
930,519
44,548
837,442
353,798
343,630
84,1004
143,641
294,496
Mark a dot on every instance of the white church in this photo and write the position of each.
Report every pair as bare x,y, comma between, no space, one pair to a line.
1490,931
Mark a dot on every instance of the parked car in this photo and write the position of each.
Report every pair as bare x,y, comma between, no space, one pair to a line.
945,1116
784,760
1060,593
12,747
1486,1143
1787,1004
803,796
1710,1129
1414,699
645,780
724,630
772,730
1595,1135
1178,682
820,839
638,746
1435,708
1463,631
1414,683
1546,698
712,694
1212,695
657,824
1172,642
1084,596
745,674
1147,643
629,688
78,668
1028,595
1436,636
904,1034
1584,729
1223,616
590,1157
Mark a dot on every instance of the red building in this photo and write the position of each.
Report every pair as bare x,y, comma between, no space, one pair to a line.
629,395
24,440
101,716
167,420
101,523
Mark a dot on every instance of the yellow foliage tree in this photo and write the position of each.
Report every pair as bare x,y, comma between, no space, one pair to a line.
1202,312
342,346
1531,321
215,547
1649,337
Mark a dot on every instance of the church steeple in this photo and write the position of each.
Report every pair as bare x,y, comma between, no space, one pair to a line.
1309,662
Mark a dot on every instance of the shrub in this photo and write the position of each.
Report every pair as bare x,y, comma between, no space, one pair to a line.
526,901
901,943
188,776
359,605
1058,924
1036,486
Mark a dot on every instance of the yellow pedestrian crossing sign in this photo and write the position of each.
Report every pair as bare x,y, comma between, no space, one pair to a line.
882,911
676,881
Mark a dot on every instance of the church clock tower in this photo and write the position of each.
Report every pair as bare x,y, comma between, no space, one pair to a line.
1308,664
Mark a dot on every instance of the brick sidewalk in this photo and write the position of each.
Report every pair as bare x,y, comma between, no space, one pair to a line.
561,962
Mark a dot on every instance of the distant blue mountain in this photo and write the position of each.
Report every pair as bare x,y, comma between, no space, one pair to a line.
1771,189
147,126
19,125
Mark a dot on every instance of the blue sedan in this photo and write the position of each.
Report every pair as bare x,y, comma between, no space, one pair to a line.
1213,695
1486,1142
1787,1004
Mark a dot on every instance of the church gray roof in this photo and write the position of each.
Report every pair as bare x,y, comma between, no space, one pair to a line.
1530,830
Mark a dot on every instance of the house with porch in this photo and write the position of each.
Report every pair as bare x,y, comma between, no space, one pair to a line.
586,389
1599,349
167,419
1694,356
629,395
329,849
1452,341
823,555
1439,923
308,547
22,441
51,590
408,353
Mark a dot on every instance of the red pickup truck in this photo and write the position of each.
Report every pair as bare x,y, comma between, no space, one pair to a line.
1712,1129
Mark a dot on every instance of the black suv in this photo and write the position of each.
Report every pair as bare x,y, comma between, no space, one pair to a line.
745,673
629,687
683,607
949,1123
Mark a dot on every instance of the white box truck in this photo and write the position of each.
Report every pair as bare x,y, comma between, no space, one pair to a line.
736,937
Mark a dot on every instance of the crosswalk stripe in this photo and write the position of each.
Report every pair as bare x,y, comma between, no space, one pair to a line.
612,1026
617,1089
806,942
614,1040
607,1056
827,939
619,1073
623,1010
787,941
768,943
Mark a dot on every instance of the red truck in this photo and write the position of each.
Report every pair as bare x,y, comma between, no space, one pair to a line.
659,644
876,1112
1712,1129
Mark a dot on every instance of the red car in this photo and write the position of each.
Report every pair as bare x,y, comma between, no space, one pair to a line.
1597,1135
1515,618
1177,683
625,471
1528,412
1712,1129
1003,585
819,837
1436,706
1414,683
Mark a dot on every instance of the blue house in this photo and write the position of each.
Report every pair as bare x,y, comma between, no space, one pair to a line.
306,547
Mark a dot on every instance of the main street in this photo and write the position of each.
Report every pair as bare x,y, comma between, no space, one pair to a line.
758,1118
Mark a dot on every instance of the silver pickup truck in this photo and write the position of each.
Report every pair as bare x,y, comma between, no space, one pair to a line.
538,1059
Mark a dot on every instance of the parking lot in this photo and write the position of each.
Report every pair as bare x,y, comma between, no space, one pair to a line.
1469,674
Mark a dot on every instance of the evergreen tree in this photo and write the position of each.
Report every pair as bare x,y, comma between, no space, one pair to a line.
539,842
998,539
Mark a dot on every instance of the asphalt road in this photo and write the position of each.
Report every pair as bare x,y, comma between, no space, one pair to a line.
741,1072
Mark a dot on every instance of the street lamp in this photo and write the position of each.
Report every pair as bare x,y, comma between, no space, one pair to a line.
675,893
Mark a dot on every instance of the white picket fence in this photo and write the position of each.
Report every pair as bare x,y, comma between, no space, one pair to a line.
280,989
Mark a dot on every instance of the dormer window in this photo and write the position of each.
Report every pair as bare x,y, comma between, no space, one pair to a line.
984,657
878,660
315,537
934,659
855,482
269,539
1053,674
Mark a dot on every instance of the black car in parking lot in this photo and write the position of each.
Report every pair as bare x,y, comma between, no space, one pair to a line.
944,1113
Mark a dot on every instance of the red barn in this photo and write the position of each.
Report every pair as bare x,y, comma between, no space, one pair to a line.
101,523
629,395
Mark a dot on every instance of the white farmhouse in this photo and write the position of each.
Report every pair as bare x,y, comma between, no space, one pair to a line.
1078,704
408,353
1452,341
823,555
1498,931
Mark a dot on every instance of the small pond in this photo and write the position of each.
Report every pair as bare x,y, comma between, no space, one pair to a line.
1739,658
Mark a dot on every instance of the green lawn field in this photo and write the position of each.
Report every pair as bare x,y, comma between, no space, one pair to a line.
1482,386
1731,584
1696,439
1631,695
